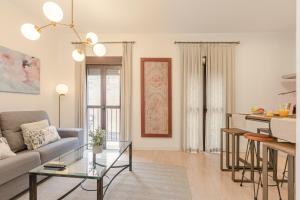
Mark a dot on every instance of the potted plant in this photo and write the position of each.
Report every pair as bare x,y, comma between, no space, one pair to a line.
97,139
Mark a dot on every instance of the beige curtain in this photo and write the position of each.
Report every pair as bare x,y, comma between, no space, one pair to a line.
192,97
126,93
220,90
80,94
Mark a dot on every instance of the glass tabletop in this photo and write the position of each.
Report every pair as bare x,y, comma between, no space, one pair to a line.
82,163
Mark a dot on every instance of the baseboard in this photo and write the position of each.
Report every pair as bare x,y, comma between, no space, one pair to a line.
157,148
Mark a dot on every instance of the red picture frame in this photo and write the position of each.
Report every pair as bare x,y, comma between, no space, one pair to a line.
144,133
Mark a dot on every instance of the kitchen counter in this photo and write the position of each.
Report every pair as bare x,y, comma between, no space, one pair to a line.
283,128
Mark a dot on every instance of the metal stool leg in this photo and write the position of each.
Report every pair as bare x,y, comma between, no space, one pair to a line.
252,146
252,153
238,152
258,151
246,159
259,183
291,177
221,150
258,155
233,166
273,159
265,172
227,150
284,171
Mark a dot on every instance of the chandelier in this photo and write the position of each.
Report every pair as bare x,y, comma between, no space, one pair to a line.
54,14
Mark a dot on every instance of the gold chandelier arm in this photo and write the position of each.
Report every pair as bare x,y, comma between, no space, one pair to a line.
72,12
76,33
63,24
39,28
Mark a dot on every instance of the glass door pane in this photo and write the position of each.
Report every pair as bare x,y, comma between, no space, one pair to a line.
113,96
94,86
113,87
94,96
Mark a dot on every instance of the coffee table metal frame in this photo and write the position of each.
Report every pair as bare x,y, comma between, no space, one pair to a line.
101,189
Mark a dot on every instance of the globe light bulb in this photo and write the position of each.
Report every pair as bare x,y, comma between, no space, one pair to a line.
52,11
62,89
99,49
78,55
30,32
91,38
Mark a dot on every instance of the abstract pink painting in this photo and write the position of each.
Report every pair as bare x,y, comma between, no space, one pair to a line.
19,73
156,99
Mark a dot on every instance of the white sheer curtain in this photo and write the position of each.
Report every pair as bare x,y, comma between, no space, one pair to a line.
220,64
80,94
220,90
192,96
126,93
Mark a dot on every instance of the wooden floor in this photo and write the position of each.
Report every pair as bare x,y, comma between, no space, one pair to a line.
206,180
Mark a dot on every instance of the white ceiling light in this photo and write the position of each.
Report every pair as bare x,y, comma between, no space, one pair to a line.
30,31
91,38
55,14
78,55
52,11
99,49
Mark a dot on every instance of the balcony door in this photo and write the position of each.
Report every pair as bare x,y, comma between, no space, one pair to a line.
104,99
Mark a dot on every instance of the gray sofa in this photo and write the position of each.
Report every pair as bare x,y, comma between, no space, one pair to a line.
14,170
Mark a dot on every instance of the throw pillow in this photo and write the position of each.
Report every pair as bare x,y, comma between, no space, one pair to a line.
5,151
29,128
39,138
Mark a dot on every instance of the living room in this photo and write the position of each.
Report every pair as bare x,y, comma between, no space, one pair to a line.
220,62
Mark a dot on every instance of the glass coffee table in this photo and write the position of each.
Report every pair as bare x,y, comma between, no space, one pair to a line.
84,164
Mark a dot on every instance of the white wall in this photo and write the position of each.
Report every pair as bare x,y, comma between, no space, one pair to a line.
261,60
12,18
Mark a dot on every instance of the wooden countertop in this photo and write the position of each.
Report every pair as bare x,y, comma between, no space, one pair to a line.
283,128
265,118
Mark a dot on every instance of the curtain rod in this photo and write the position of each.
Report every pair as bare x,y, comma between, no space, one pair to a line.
121,42
179,42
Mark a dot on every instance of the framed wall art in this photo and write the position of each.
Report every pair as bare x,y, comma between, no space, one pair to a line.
19,73
156,97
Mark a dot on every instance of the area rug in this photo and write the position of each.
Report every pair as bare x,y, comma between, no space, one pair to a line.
148,181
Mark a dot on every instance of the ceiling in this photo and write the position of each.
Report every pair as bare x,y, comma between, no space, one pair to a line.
174,16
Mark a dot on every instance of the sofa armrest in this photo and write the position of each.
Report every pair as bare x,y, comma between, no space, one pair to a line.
72,132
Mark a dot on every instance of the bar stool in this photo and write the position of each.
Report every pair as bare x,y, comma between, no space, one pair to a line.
261,130
290,150
235,134
252,151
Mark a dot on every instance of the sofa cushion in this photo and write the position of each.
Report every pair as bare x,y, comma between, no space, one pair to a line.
22,163
13,120
53,150
10,123
15,140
